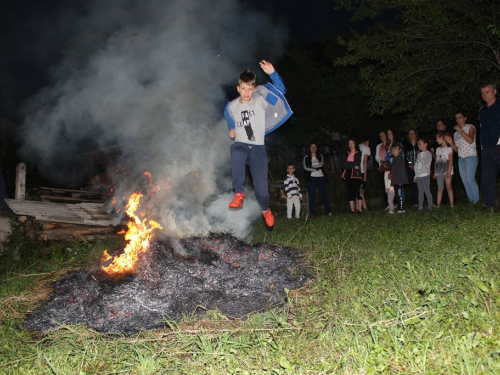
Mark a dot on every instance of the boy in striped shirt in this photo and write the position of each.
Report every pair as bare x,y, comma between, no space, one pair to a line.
292,191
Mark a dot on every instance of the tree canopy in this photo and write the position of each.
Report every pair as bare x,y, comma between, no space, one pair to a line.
425,58
327,100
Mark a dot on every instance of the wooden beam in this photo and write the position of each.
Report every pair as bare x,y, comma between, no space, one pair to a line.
20,181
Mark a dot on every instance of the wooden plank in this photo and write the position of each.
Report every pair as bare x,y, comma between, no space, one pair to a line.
64,198
69,191
62,212
99,223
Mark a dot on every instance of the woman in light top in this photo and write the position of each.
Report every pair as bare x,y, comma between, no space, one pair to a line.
464,142
315,179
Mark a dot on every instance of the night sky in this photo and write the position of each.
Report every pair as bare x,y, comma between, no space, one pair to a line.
34,34
87,75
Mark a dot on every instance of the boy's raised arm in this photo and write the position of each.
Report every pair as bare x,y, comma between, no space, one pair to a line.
276,80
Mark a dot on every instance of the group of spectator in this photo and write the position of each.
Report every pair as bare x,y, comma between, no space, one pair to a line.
414,161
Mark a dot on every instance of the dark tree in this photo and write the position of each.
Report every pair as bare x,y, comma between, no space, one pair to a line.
328,101
425,58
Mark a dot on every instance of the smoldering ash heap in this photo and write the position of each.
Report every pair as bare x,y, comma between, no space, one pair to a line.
147,282
173,279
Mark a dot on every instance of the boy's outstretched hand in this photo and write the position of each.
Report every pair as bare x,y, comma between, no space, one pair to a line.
266,66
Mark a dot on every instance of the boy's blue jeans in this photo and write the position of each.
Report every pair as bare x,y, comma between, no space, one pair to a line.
256,158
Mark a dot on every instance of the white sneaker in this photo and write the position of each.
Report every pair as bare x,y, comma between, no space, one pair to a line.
387,208
401,212
391,212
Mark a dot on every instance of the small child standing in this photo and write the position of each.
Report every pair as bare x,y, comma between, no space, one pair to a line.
423,174
398,175
443,170
292,191
389,189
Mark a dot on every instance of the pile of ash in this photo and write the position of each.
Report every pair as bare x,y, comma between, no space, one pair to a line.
174,279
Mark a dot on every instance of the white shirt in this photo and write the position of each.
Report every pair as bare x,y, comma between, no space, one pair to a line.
316,164
465,148
442,160
365,150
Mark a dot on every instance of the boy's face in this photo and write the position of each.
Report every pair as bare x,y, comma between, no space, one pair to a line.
246,91
291,170
395,151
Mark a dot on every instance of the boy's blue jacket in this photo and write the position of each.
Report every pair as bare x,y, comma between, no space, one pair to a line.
277,112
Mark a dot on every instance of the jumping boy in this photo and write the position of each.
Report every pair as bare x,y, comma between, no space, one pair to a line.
256,112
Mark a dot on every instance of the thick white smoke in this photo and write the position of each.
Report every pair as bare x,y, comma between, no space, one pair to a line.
150,75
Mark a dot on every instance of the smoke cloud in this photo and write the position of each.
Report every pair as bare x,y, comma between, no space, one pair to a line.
150,76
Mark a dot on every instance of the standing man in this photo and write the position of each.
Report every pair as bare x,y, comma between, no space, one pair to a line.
411,150
489,120
364,147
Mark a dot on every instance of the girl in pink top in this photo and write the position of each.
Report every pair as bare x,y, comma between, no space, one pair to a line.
351,163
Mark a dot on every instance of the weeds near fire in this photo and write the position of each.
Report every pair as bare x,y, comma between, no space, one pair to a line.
390,295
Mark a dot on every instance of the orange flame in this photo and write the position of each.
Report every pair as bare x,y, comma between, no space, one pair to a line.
139,237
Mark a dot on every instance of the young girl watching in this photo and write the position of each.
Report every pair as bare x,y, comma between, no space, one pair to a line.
398,175
443,169
385,167
423,174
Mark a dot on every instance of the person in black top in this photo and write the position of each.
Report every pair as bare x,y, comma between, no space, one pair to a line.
489,120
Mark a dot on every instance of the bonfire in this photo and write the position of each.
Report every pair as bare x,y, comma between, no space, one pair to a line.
138,236
153,281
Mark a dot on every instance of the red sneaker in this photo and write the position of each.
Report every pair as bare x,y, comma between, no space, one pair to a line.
237,201
268,217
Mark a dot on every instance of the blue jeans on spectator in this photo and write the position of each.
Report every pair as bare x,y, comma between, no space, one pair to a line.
256,158
467,167
317,183
490,165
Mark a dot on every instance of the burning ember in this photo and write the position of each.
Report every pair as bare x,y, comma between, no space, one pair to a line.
173,279
139,237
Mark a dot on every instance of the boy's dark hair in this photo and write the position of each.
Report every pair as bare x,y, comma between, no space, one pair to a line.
365,138
396,145
247,77
291,165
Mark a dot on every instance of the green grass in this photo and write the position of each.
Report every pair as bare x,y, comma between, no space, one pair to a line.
414,293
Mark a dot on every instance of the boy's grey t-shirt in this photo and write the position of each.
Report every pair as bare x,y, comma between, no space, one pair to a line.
249,119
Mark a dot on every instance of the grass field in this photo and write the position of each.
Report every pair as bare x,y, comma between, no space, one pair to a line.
417,293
